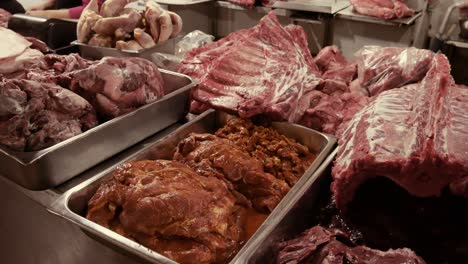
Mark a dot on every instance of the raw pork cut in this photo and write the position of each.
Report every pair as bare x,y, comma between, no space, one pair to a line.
319,245
416,136
381,69
266,70
34,115
115,86
385,9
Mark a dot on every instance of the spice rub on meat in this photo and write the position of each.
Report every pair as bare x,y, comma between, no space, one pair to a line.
281,156
212,156
168,207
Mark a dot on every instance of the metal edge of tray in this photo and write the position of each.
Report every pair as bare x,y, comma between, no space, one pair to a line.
349,14
256,250
99,52
22,166
321,6
62,209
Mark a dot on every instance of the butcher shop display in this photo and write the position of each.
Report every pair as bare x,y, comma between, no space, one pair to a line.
205,203
116,26
383,9
49,98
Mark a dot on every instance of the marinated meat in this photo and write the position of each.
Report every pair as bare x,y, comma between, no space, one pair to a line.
169,208
115,86
212,156
34,115
320,245
281,156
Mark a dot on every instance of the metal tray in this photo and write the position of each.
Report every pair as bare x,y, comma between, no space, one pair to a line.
292,220
72,204
52,166
93,52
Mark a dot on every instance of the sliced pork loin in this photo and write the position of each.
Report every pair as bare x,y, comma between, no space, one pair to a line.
35,115
266,70
416,136
116,86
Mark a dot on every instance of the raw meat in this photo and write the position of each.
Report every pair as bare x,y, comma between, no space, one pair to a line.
115,86
334,66
247,3
111,8
37,44
169,208
416,136
143,38
26,59
212,156
152,12
106,26
266,70
320,245
384,9
34,115
331,113
88,19
4,17
381,69
283,157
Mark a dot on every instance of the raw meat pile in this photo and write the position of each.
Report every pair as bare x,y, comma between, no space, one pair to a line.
267,70
4,17
251,3
414,136
209,199
117,26
321,245
46,99
384,9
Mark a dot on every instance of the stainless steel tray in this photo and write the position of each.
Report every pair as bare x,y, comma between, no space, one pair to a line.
93,52
72,205
295,217
54,165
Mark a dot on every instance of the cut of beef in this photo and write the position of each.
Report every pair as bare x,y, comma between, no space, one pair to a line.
36,115
212,156
381,69
384,9
320,245
416,136
115,86
266,70
330,114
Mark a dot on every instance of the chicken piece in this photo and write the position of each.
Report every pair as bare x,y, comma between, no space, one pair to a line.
115,86
152,13
112,8
121,34
168,207
176,24
128,45
88,19
100,41
35,115
143,38
107,26
212,156
165,27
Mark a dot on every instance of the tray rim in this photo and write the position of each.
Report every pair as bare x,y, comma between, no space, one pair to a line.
61,209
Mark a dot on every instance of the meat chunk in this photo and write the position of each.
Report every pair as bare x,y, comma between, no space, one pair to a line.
414,136
126,23
112,8
116,86
381,69
281,156
384,9
212,156
88,19
265,70
152,13
143,38
320,245
35,116
169,208
100,41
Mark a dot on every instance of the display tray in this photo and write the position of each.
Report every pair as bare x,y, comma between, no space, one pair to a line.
72,205
52,166
93,52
